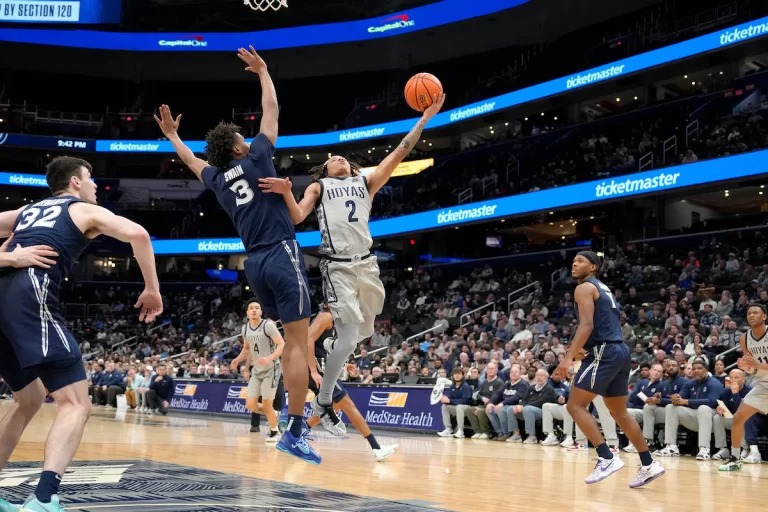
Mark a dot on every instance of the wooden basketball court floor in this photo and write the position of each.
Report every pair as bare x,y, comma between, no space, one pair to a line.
186,463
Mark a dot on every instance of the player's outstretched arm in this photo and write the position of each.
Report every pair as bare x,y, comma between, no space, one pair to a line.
95,220
269,107
283,186
383,172
170,128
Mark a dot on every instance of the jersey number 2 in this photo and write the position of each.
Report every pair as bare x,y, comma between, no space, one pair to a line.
48,220
243,191
351,204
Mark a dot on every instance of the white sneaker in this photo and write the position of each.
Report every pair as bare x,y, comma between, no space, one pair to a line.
446,433
647,474
459,434
108,407
149,413
329,419
579,448
630,448
744,453
551,440
273,437
671,450
483,436
604,468
517,438
722,454
567,442
531,439
703,454
475,436
385,451
753,458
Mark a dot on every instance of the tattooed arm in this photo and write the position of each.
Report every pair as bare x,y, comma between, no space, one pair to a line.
383,172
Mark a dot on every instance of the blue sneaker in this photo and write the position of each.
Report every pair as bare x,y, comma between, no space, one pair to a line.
298,447
282,422
8,507
34,505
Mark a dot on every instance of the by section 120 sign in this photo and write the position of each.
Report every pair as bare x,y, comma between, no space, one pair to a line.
671,178
60,11
702,44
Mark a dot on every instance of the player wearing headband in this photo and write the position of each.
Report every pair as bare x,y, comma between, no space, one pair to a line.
754,360
604,371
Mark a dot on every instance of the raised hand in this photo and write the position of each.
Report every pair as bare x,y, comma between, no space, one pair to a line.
167,123
255,63
434,108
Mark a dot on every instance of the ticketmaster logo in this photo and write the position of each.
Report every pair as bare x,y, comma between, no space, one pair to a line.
18,179
579,80
123,146
647,184
361,134
736,35
211,246
446,217
471,112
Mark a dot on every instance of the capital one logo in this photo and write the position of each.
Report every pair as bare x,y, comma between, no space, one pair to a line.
392,23
190,41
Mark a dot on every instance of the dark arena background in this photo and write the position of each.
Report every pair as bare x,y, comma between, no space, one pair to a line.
635,129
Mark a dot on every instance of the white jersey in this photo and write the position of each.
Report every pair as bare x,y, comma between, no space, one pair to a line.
343,211
260,342
759,350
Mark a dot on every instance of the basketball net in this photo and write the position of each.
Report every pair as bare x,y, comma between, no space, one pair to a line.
265,5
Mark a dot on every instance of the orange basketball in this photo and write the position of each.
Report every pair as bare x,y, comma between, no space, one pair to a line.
420,90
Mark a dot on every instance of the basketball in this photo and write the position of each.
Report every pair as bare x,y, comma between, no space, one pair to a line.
421,89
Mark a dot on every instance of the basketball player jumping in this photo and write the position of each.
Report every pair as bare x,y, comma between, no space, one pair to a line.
275,265
263,343
604,371
37,351
342,200
754,359
320,334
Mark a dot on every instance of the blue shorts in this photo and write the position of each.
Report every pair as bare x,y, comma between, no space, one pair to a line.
279,281
34,339
605,370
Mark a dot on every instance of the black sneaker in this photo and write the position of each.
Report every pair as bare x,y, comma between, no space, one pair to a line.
255,429
274,436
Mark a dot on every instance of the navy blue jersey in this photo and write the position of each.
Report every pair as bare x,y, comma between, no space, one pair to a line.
260,219
606,326
48,223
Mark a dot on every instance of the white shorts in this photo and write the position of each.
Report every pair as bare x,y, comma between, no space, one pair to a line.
758,397
263,383
353,290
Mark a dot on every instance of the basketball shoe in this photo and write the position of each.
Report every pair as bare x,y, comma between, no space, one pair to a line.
8,507
604,468
34,505
298,447
647,474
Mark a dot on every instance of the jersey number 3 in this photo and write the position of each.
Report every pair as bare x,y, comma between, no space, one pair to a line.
48,220
243,191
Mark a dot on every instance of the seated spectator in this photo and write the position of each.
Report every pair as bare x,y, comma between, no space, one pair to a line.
141,393
638,371
731,397
502,401
694,408
94,382
720,372
160,392
455,402
478,418
132,384
641,355
529,408
650,387
654,410
110,385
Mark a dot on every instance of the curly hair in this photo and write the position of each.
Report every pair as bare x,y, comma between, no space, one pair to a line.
321,171
219,143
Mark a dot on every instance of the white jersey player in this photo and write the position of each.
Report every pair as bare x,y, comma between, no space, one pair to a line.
341,198
263,344
754,359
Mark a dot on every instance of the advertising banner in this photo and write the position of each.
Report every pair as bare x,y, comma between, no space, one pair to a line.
393,407
670,178
60,11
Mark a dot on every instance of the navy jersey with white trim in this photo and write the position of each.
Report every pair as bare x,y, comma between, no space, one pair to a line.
48,222
260,219
606,326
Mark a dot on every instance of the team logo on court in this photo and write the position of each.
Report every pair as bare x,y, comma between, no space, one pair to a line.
81,475
382,399
186,389
237,392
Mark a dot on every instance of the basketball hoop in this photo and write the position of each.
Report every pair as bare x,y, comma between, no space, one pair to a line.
265,5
